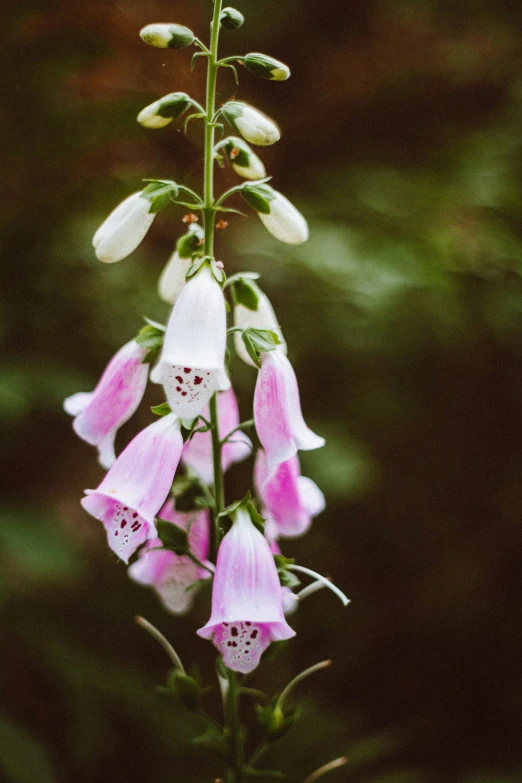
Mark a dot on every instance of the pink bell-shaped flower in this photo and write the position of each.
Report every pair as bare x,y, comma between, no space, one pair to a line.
135,488
291,500
197,452
247,611
277,412
168,573
192,363
99,414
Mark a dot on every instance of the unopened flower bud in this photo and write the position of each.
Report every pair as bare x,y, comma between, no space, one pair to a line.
164,110
167,36
277,213
231,18
252,124
243,159
266,67
124,229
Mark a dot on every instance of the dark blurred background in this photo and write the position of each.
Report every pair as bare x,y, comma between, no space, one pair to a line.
402,144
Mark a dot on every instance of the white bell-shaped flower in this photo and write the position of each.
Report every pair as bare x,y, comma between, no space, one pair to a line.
192,363
243,159
121,233
277,213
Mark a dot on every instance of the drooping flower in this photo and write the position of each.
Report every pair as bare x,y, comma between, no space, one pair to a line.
291,500
167,36
121,233
99,414
197,452
192,363
247,611
277,412
252,124
266,67
262,318
168,573
172,278
164,110
243,159
135,488
277,213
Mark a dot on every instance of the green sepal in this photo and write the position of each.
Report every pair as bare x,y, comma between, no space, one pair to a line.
243,152
286,577
258,341
161,410
231,18
151,339
172,537
189,242
196,266
183,687
274,721
160,193
174,105
258,196
245,293
265,67
181,36
247,504
219,274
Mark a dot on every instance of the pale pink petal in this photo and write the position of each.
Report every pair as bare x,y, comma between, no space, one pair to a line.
99,414
271,414
134,489
305,439
312,499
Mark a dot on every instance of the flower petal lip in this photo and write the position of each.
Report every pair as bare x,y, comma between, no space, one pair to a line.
284,221
100,413
138,483
124,229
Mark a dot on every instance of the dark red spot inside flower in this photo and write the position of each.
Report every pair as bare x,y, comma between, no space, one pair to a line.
226,625
179,379
183,394
136,526
178,388
198,380
229,644
123,524
234,644
248,623
116,533
234,631
187,369
135,515
253,635
248,642
125,508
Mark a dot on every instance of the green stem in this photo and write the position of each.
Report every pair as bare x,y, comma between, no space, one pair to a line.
219,489
234,726
208,191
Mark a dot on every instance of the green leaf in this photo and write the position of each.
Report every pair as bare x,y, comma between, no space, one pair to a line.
151,338
246,294
173,537
287,578
196,266
160,193
258,341
161,410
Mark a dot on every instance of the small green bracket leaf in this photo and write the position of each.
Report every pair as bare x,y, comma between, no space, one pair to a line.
161,410
160,193
172,537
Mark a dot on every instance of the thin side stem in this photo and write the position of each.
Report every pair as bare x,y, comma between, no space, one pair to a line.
169,649
219,489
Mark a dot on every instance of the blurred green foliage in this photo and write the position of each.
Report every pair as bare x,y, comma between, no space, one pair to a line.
403,313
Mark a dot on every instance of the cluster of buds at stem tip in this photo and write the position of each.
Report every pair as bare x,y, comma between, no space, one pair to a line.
252,124
164,110
277,213
167,36
266,67
172,278
243,159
